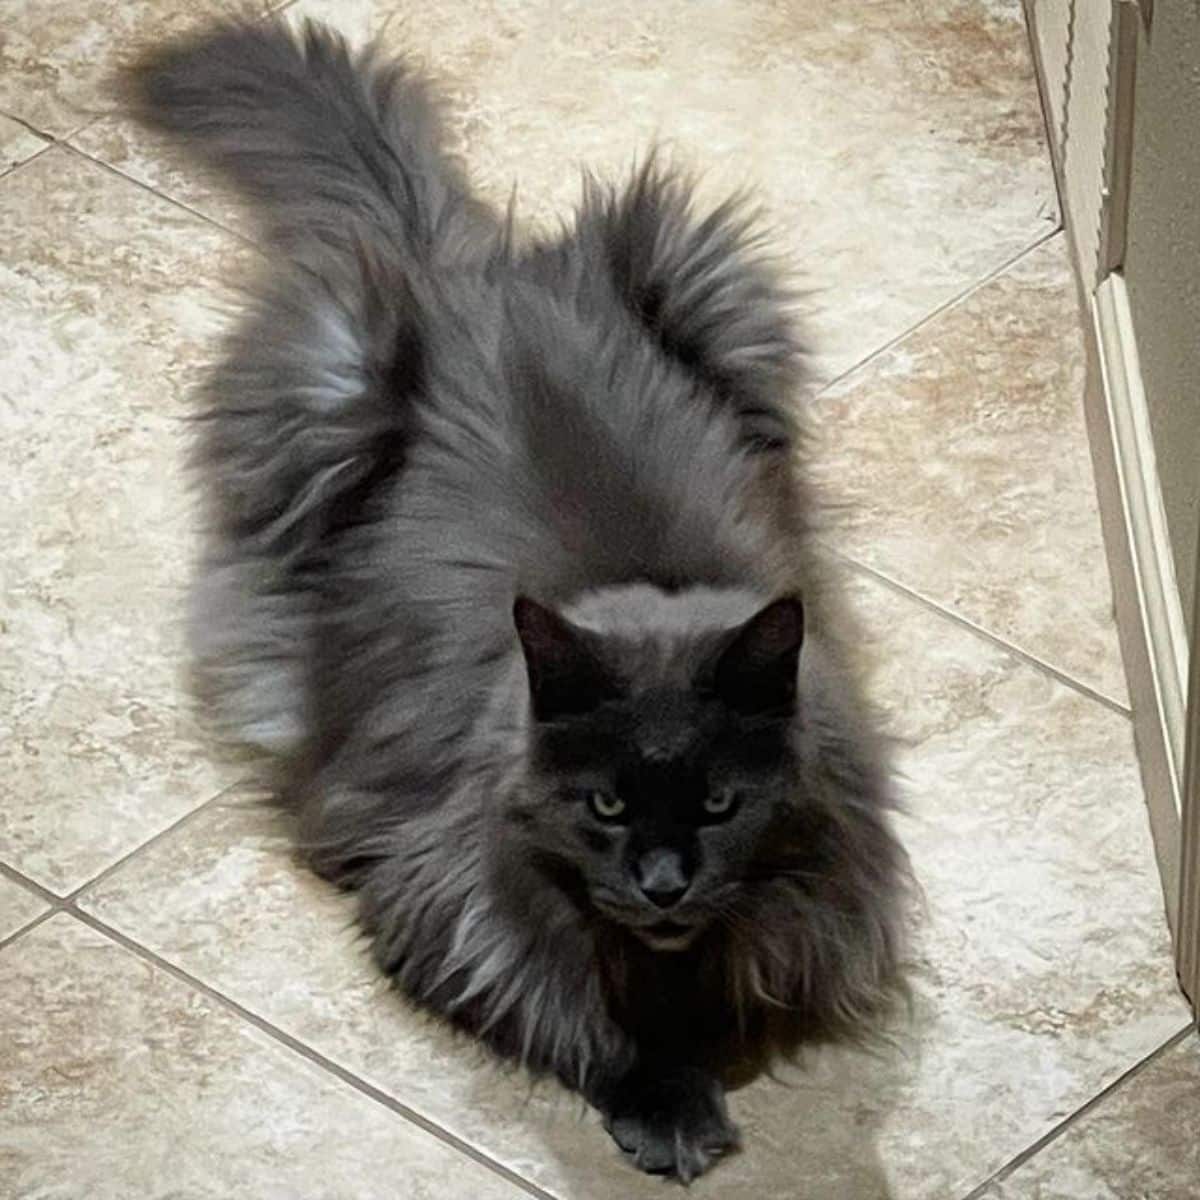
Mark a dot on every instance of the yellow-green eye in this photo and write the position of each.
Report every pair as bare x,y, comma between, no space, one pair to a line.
606,807
720,804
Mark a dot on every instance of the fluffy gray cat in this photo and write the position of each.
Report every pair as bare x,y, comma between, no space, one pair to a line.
506,573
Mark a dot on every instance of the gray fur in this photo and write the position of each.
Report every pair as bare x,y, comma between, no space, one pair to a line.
418,422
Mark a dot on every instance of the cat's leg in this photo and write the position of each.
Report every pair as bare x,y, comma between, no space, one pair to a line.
670,1119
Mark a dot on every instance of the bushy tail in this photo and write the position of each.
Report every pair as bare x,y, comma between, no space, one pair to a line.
329,144
308,413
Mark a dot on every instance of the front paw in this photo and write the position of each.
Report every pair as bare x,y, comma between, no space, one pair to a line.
671,1123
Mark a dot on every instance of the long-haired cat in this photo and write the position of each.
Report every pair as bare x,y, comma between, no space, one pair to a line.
509,573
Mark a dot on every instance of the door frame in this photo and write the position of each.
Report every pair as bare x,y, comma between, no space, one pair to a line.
1153,629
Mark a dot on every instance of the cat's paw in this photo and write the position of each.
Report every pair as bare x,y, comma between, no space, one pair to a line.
671,1124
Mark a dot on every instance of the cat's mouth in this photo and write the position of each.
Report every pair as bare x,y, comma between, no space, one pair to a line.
668,935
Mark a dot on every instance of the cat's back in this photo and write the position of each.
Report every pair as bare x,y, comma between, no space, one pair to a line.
565,449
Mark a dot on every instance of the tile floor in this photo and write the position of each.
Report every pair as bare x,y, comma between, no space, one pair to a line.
184,1013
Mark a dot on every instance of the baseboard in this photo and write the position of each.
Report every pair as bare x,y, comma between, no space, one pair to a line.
1149,613
1187,941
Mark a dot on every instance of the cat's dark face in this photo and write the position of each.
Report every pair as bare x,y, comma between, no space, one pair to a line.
655,803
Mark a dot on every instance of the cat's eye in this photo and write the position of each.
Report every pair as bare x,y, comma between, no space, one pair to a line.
721,803
605,806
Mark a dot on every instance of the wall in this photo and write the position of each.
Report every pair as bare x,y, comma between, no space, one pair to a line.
1162,264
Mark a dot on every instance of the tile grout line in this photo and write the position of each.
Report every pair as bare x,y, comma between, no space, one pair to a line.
50,139
117,173
30,925
1035,1148
186,819
12,116
18,876
938,311
57,903
303,1050
979,631
18,167
54,903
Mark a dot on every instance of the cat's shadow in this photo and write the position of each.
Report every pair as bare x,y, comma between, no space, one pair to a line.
812,1132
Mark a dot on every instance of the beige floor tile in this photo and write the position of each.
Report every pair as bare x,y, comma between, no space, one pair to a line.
106,299
159,162
1139,1143
57,59
1042,969
17,143
18,906
958,464
898,147
120,1081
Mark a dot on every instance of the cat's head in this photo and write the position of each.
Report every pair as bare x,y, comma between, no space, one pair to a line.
662,751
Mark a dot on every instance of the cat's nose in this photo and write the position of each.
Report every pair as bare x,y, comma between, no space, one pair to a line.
661,876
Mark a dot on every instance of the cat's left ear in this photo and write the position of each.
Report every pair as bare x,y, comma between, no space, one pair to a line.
756,672
565,675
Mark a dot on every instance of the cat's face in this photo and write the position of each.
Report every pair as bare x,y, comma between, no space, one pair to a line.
654,805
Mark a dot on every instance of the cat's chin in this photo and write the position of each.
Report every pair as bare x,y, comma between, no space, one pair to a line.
668,936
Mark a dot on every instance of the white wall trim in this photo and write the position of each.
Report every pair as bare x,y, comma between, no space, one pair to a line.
1187,945
1161,612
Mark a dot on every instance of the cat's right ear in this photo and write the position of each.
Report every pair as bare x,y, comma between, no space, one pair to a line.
565,676
756,673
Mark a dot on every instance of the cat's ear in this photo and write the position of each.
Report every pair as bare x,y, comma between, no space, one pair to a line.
565,676
703,288
756,672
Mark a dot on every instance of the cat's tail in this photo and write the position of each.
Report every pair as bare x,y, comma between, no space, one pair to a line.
363,215
308,414
327,144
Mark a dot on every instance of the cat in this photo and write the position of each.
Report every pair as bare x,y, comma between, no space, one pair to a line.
510,572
